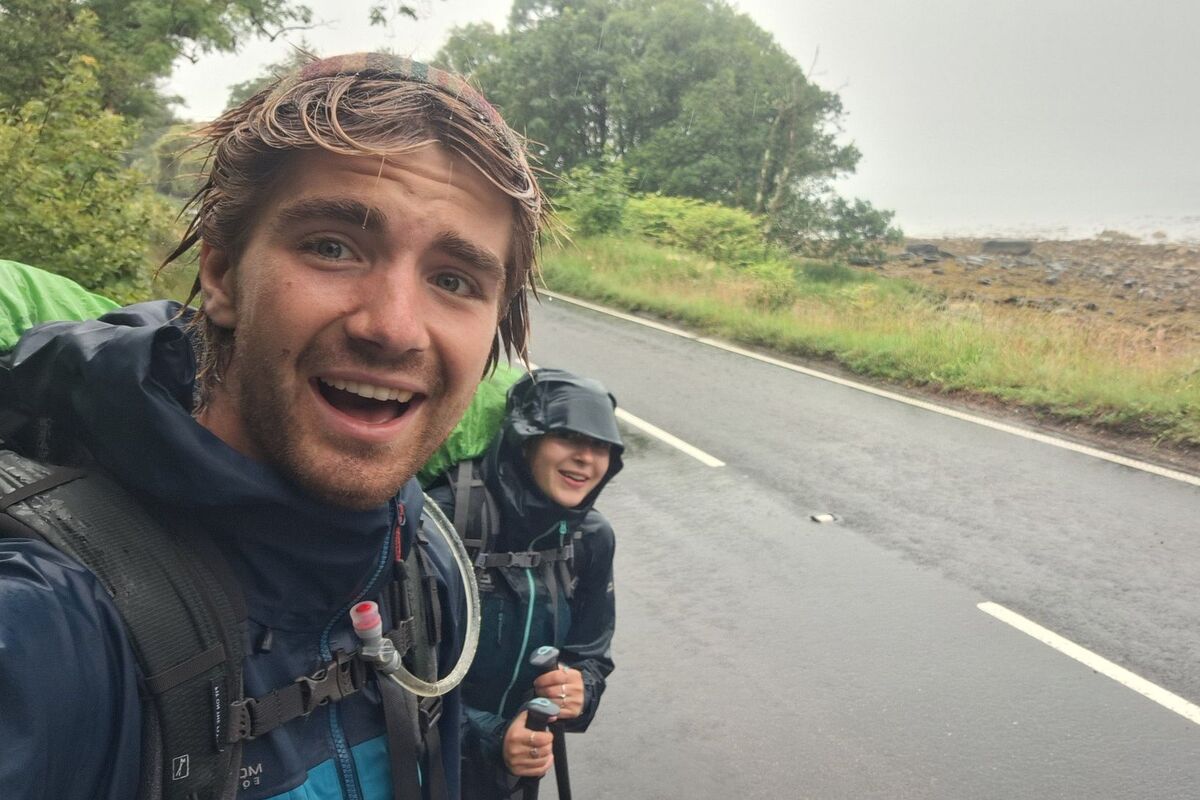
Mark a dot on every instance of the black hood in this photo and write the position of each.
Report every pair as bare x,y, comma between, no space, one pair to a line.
543,401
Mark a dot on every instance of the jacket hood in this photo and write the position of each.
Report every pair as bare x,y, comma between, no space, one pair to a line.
541,402
123,385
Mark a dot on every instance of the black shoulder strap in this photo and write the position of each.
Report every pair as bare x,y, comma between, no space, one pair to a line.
183,614
476,517
412,722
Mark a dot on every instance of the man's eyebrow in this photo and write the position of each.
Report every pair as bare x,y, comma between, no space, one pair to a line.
337,209
472,254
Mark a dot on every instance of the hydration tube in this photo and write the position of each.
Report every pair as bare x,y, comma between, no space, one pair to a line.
382,653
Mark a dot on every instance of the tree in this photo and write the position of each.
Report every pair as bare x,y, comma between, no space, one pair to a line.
134,43
549,74
693,96
70,204
175,163
829,226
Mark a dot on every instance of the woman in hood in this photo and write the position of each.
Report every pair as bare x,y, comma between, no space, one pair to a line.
543,556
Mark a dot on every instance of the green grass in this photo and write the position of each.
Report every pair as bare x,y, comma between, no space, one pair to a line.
1101,373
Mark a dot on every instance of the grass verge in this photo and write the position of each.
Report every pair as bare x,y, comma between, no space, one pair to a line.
1111,375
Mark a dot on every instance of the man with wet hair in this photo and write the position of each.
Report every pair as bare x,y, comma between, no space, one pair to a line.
366,229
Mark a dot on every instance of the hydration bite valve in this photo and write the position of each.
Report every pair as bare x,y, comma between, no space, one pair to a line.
540,711
375,649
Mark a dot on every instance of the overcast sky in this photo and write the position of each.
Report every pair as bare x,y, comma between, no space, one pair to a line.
1002,116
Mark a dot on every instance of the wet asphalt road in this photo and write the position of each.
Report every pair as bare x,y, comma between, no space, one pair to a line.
762,655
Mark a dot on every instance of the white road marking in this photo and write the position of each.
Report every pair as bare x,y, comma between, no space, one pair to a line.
661,435
679,444
1153,469
1167,700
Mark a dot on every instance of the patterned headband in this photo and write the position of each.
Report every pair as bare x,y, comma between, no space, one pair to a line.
383,65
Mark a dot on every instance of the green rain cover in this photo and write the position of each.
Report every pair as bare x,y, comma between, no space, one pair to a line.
477,427
29,295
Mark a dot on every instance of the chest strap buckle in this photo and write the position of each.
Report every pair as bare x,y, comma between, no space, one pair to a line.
337,680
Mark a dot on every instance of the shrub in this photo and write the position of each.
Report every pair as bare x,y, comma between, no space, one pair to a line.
832,272
833,227
729,235
592,199
775,287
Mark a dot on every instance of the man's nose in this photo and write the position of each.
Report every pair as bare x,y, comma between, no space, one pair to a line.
391,311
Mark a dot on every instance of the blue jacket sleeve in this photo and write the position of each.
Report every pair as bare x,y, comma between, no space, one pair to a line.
71,720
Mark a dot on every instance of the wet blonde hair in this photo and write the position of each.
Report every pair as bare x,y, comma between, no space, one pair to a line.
363,104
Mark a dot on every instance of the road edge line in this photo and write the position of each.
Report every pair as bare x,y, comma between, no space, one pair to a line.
1053,441
1151,691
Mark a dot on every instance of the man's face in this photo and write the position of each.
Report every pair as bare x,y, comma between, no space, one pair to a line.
363,308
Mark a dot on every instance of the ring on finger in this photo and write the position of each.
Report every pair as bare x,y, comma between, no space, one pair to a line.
534,752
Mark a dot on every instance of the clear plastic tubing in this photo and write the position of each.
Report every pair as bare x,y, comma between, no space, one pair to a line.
369,626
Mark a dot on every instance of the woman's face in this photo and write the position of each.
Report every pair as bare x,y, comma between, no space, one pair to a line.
567,466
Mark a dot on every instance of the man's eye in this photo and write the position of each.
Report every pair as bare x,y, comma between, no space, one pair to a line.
452,283
329,249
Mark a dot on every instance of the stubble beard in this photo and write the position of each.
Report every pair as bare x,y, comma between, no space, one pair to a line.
346,473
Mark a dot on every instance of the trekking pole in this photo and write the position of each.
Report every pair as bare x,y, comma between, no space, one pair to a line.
545,659
538,712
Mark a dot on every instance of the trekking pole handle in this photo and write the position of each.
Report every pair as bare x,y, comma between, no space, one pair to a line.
539,710
544,659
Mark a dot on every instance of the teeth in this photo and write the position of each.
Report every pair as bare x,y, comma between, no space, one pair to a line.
369,391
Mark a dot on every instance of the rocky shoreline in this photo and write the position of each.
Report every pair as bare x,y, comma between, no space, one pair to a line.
1151,291
1153,286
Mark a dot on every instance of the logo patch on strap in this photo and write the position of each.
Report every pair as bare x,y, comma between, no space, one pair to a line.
180,767
218,709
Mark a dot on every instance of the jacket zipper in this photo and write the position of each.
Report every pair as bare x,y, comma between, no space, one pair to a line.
562,529
524,642
344,758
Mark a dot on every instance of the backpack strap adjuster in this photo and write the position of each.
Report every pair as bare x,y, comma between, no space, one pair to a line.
337,680
329,684
526,560
429,711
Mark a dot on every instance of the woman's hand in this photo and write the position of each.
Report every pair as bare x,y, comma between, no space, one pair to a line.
527,753
564,688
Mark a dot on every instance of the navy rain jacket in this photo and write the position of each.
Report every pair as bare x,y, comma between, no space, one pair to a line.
517,610
70,720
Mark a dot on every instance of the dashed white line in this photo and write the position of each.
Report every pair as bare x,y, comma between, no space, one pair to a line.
1168,700
663,436
1153,469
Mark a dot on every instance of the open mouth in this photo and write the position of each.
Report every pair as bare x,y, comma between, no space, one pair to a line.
364,402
